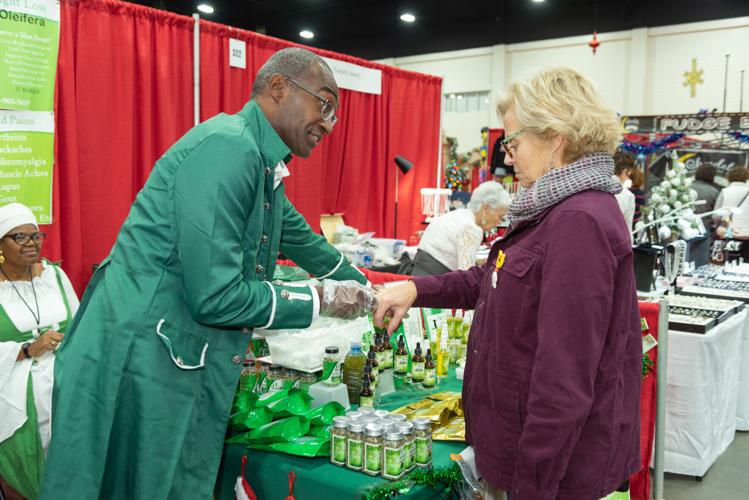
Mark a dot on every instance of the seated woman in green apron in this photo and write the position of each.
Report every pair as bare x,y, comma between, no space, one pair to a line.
37,303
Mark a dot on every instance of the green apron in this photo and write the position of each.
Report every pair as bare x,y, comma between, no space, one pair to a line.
144,380
22,455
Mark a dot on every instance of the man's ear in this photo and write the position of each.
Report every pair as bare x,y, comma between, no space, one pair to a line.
278,87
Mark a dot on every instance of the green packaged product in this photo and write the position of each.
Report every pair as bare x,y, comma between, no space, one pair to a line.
305,446
250,419
322,432
287,429
292,402
323,415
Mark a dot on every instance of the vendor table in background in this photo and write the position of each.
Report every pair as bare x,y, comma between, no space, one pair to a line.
701,399
317,478
742,409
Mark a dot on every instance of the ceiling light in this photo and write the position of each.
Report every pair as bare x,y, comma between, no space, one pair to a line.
205,8
452,96
460,96
408,18
538,1
306,34
486,101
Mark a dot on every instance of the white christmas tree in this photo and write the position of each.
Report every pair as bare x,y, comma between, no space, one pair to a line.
671,203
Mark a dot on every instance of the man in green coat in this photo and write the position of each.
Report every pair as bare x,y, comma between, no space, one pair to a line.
145,378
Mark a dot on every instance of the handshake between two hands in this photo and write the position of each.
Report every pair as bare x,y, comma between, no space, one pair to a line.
350,299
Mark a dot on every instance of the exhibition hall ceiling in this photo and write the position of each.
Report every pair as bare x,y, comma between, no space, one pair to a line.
374,29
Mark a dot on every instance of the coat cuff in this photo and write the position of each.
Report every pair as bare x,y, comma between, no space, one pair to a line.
343,271
292,306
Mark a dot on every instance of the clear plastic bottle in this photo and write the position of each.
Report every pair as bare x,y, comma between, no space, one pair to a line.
338,438
355,446
373,450
423,438
393,454
353,368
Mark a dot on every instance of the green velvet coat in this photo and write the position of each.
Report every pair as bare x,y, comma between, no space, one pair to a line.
145,377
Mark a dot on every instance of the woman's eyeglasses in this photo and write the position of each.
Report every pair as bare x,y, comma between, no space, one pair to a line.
510,150
25,238
327,112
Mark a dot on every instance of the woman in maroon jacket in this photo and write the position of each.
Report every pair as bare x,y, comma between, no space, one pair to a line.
552,384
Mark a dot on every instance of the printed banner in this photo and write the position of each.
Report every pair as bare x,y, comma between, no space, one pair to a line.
27,145
29,36
29,39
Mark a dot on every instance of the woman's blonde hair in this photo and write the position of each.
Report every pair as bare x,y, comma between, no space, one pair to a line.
562,101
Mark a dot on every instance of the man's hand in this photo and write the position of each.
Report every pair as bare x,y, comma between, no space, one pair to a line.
394,302
345,299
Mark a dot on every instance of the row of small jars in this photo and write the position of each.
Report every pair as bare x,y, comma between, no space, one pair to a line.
381,444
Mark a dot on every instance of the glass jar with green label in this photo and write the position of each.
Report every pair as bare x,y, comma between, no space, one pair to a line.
409,445
355,446
373,450
423,438
331,366
393,454
338,438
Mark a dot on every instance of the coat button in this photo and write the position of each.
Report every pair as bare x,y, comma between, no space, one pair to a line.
259,268
278,282
266,205
267,171
263,239
285,294
236,359
179,361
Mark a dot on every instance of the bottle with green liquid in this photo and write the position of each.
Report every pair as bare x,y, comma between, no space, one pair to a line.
430,371
401,358
387,351
417,365
353,369
366,396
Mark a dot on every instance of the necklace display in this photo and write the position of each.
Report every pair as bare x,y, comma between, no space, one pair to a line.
37,317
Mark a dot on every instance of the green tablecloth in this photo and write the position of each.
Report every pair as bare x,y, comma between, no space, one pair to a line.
316,478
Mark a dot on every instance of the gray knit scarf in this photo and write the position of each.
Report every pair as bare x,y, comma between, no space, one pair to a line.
594,171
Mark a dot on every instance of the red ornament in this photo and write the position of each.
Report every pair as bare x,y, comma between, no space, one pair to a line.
594,43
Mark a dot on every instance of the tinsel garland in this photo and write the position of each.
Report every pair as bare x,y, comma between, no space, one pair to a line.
647,365
647,148
440,478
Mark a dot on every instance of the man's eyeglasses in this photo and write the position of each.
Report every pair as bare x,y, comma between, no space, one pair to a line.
510,150
327,112
25,238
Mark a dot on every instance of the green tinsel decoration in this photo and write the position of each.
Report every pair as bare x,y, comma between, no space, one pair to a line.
647,365
441,478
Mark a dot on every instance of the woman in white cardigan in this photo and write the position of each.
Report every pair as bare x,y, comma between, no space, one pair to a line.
450,242
37,303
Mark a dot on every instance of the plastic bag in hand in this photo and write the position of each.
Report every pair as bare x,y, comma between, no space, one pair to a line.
346,299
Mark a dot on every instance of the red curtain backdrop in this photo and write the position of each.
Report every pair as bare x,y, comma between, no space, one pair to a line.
125,94
353,170
639,486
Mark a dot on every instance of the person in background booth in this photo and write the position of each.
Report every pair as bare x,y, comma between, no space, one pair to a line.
551,393
145,378
637,189
706,189
626,199
37,303
450,241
